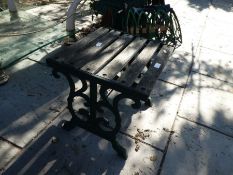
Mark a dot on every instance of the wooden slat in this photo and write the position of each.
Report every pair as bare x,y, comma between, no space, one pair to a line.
86,40
121,60
64,51
148,80
83,57
136,67
107,54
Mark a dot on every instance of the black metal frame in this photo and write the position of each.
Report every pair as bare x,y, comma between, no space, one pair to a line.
93,123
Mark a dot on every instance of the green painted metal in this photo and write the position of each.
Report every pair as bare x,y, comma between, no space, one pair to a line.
148,18
154,22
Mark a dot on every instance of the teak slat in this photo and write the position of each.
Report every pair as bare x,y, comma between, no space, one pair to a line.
107,54
136,67
148,80
63,52
91,37
88,54
121,60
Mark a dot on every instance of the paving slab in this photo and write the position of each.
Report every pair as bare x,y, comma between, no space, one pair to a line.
225,5
194,150
220,39
50,11
221,14
83,154
221,26
191,31
172,2
29,101
215,64
192,10
154,122
158,119
208,101
177,69
7,153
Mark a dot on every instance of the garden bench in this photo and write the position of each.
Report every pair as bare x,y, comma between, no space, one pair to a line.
108,60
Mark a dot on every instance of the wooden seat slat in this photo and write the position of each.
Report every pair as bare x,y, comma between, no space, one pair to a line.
121,60
63,52
86,55
157,64
127,78
107,54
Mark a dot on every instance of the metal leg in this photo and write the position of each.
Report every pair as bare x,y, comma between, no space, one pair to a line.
136,105
93,99
148,102
97,125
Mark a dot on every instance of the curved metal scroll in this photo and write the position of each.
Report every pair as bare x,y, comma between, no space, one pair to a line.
155,22
114,106
73,93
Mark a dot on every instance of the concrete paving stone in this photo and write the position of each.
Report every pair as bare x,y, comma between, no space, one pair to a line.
191,35
22,25
172,2
6,17
199,5
221,27
220,43
145,160
208,101
191,10
226,5
58,11
29,101
7,153
85,21
190,42
219,39
50,12
83,154
177,69
194,150
214,64
220,14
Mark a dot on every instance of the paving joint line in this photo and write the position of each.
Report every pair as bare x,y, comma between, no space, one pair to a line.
136,139
180,86
206,126
227,53
41,63
166,148
172,128
11,143
215,78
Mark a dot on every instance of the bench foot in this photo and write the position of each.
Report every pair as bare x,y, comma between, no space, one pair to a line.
148,102
136,105
83,112
121,151
68,125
